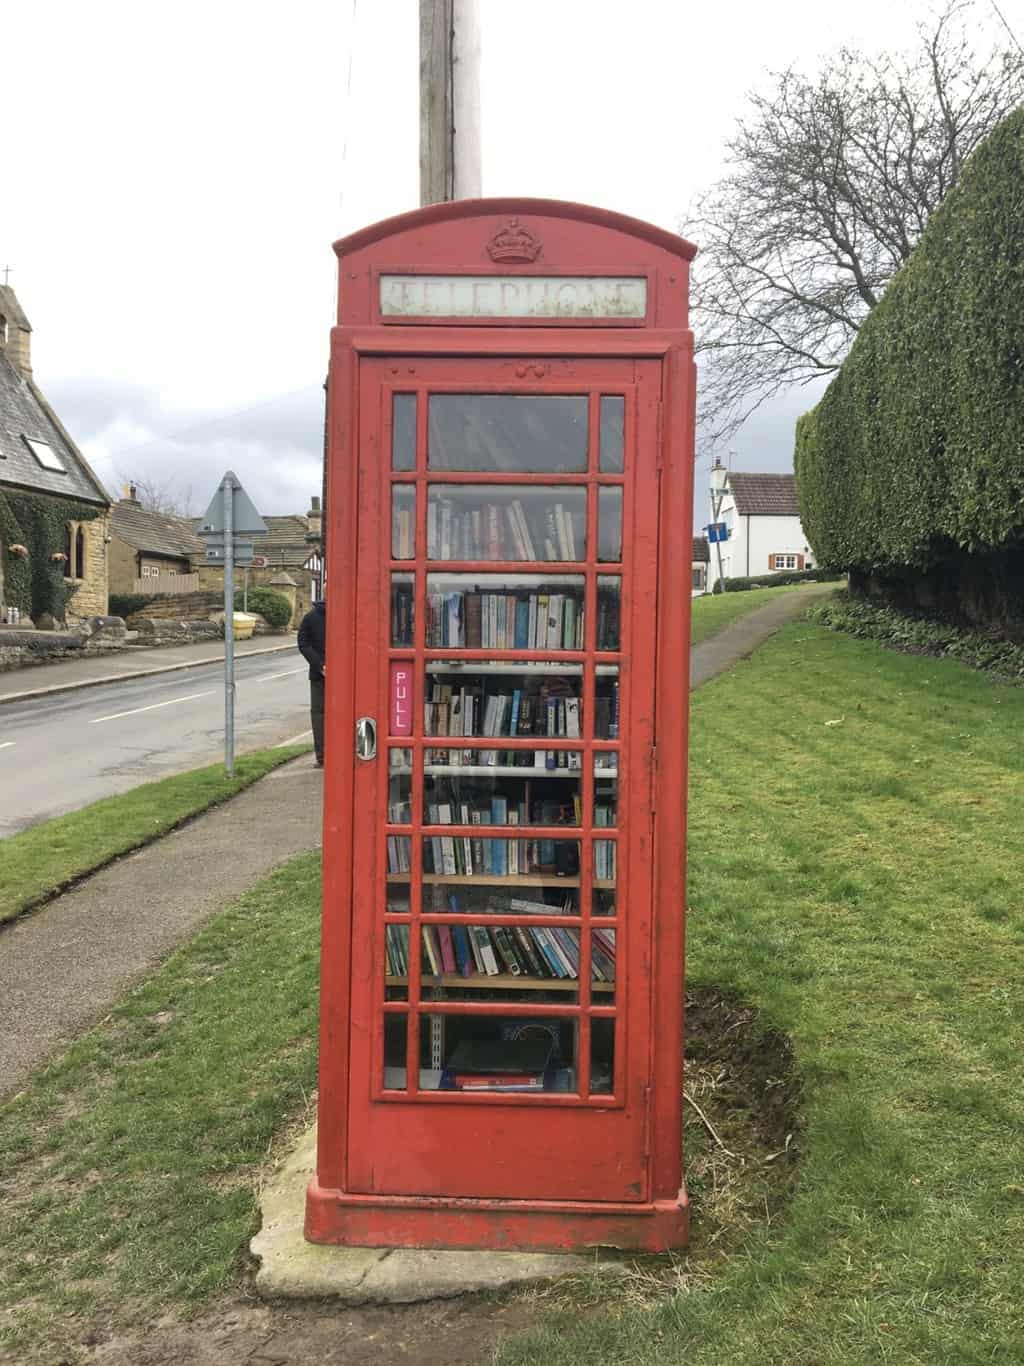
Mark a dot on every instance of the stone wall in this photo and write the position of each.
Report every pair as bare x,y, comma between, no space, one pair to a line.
181,607
20,649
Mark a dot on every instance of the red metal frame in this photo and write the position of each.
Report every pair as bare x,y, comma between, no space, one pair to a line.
419,1167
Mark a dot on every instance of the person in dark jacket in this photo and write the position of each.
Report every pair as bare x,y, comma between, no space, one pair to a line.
312,636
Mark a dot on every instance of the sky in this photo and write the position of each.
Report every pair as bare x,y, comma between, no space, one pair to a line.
174,175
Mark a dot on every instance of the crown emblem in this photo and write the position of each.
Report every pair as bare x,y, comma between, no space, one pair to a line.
514,242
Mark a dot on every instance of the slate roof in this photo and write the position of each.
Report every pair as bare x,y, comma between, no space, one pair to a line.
284,545
154,532
764,495
701,552
24,412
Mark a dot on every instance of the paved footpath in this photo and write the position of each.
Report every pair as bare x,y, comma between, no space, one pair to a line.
38,680
64,965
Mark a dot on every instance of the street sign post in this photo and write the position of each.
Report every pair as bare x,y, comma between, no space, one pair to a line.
717,531
230,522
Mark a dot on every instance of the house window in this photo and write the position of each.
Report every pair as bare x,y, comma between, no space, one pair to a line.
79,560
785,561
698,577
46,455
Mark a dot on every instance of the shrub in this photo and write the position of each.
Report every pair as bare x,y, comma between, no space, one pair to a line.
914,454
779,580
124,604
920,635
273,607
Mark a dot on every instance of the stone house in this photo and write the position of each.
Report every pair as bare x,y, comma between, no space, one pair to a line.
284,554
150,552
763,525
51,503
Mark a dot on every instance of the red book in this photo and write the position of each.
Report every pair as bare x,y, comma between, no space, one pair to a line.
444,935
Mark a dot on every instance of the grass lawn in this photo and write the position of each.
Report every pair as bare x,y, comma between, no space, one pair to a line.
128,1167
856,870
715,610
38,862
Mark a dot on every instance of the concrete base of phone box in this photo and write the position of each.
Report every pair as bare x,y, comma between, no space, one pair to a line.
372,1253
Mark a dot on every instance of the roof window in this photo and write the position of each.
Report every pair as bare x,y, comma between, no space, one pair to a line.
46,455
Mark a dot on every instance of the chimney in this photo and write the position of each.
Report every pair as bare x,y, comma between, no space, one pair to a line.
313,516
15,332
131,495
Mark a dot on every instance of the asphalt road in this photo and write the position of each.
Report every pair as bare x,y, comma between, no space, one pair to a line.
59,753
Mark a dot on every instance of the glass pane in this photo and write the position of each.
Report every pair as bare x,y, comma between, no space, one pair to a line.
506,612
613,416
609,524
402,609
403,521
396,963
481,1055
399,857
539,434
604,862
403,431
603,902
605,799
510,522
476,799
400,798
519,700
394,1052
516,960
602,965
500,862
609,608
602,1056
400,760
542,896
606,708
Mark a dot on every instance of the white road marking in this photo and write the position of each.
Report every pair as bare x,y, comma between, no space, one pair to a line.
152,707
270,677
8,743
294,740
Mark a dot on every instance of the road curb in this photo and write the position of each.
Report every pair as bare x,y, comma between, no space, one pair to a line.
138,673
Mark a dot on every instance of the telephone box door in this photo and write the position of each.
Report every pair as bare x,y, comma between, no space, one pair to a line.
505,646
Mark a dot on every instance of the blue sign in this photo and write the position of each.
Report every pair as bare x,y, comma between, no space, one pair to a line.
717,531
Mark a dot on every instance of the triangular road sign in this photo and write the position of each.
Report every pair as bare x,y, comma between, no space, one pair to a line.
246,521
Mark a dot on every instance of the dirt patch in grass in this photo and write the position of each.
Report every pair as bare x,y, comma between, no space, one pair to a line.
742,1153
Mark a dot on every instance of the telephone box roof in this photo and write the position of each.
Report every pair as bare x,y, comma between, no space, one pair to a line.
552,208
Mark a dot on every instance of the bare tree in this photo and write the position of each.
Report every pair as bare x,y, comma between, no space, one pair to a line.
831,181
166,496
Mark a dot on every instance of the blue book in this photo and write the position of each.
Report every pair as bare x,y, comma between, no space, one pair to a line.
463,953
499,811
513,727
522,625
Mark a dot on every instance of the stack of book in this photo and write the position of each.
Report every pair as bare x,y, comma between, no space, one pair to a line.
473,855
403,532
501,531
499,1065
604,860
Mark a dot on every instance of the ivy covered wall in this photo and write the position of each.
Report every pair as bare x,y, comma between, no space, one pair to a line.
911,468
36,584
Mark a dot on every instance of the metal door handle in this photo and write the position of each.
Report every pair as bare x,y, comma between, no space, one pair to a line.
366,738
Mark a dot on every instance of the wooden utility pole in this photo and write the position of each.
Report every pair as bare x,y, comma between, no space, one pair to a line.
449,100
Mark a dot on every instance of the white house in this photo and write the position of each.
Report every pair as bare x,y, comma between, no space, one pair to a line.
765,535
701,557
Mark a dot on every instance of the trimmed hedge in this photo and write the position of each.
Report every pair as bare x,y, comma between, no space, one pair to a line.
778,580
124,604
273,607
920,635
916,451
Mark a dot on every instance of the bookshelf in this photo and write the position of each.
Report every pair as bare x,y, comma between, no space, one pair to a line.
502,941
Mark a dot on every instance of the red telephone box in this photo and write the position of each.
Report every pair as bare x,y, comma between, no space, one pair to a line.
510,487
